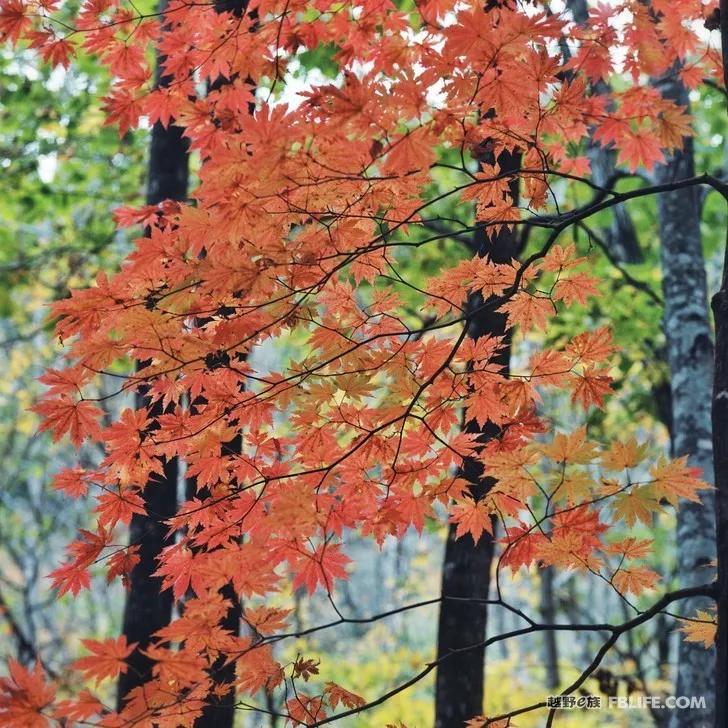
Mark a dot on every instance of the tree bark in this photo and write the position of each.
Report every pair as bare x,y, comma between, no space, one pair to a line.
460,681
466,569
548,616
720,460
689,353
219,711
147,607
720,450
690,359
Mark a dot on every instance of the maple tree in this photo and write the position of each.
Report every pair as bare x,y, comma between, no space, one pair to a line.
296,230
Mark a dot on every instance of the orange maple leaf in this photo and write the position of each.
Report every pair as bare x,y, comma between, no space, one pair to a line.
335,694
521,546
266,620
592,346
305,709
321,567
590,387
573,447
24,695
528,311
676,479
62,414
473,517
634,580
14,19
639,149
80,709
107,658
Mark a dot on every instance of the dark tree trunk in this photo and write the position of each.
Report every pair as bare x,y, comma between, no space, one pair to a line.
168,165
466,566
147,608
720,460
720,452
465,574
219,712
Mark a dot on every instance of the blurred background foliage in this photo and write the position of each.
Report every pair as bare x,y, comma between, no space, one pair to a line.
63,173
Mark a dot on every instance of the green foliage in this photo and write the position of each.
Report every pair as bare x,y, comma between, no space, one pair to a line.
63,174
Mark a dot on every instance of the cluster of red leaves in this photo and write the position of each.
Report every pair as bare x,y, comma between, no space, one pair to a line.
293,233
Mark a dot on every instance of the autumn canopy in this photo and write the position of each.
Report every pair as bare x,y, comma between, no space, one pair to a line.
311,209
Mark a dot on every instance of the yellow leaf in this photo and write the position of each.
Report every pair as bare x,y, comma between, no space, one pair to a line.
701,628
638,505
575,485
674,480
630,548
571,448
623,455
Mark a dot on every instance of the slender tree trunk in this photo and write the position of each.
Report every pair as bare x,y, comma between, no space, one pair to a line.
465,574
147,607
720,450
466,566
690,358
720,455
548,615
219,711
